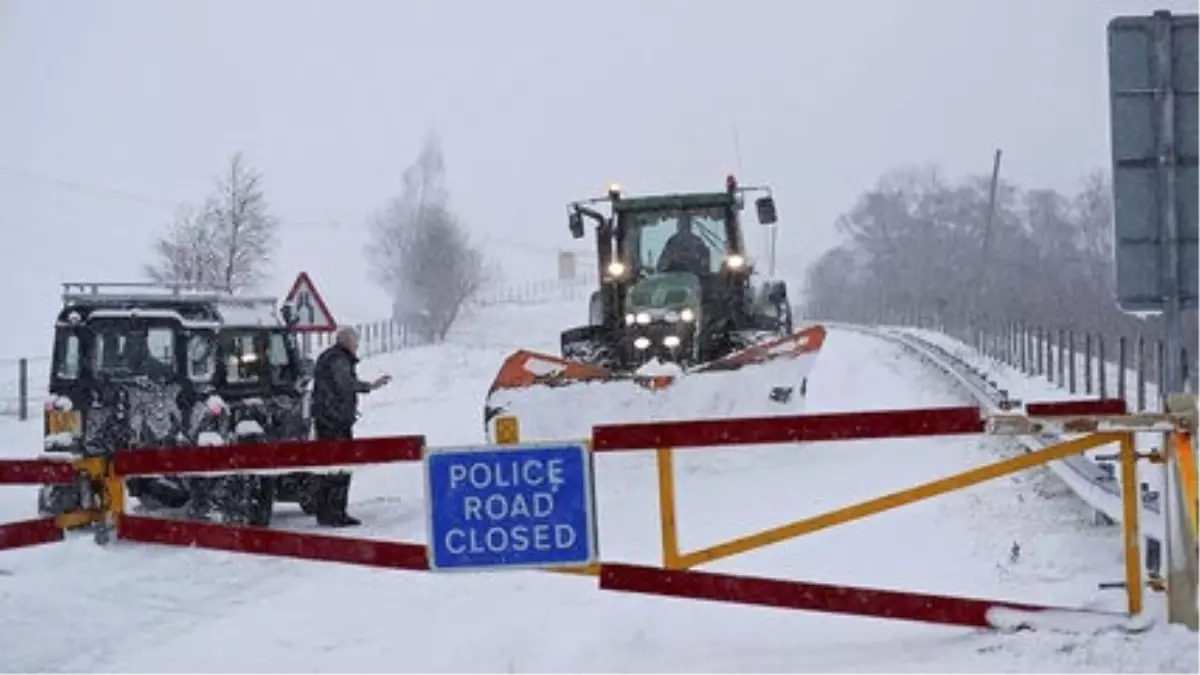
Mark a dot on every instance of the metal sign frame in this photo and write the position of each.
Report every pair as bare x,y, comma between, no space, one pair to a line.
1153,83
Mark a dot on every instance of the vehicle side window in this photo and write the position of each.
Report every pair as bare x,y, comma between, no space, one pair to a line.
109,351
279,359
68,358
202,358
277,353
160,343
242,362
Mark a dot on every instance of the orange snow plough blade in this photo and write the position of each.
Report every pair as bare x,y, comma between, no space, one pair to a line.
555,398
526,369
805,341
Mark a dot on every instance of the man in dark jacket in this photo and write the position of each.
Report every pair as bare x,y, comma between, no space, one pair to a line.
334,411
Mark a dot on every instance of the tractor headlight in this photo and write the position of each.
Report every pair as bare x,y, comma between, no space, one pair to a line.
641,342
642,318
735,262
687,314
616,269
629,319
671,341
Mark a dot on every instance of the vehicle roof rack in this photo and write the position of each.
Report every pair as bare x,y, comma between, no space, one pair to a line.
139,291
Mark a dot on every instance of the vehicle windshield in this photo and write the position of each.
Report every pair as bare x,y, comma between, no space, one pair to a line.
675,240
122,350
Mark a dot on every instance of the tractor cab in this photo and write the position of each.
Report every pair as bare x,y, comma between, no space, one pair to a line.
151,366
675,279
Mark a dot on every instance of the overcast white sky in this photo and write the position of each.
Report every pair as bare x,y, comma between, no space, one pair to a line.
538,103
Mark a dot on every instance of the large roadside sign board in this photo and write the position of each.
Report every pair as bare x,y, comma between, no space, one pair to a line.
1153,99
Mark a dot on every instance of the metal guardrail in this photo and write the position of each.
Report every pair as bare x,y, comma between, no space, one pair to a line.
1092,482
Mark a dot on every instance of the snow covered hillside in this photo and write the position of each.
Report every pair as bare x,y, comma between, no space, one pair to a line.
1021,538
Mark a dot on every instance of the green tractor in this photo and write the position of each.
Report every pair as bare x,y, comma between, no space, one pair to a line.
675,282
677,297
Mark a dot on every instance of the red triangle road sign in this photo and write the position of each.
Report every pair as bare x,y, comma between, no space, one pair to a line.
313,315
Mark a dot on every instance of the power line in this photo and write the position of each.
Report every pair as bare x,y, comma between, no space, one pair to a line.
76,186
157,202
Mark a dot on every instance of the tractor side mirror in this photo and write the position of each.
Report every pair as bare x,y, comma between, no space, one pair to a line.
777,292
575,222
766,210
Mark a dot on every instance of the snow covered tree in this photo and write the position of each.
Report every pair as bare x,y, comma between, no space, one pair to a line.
914,245
421,254
187,254
227,243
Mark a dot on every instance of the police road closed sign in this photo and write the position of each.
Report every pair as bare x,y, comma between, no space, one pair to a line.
510,507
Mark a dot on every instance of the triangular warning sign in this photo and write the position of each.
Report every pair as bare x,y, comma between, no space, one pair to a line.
310,309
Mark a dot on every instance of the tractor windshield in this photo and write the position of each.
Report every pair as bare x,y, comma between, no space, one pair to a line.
676,240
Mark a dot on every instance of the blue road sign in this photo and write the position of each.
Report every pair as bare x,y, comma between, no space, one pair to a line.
517,506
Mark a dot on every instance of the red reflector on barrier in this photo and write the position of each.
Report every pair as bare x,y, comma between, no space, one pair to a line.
266,456
29,533
790,429
36,472
397,555
1104,406
815,597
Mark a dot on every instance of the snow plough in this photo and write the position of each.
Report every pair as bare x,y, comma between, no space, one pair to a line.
678,298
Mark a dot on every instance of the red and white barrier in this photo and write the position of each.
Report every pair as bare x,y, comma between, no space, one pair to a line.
276,457
37,472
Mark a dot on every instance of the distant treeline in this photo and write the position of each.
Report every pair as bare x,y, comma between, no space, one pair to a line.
919,244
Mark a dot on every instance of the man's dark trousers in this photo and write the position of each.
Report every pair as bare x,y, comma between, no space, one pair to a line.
331,491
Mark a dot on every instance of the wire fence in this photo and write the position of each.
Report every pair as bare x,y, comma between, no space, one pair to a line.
24,382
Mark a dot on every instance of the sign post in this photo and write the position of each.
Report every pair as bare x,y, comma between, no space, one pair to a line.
1153,93
510,507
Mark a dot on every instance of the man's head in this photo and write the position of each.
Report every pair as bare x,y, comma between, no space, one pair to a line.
347,337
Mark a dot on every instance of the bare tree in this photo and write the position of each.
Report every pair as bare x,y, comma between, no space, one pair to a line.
420,253
225,244
913,248
245,229
187,254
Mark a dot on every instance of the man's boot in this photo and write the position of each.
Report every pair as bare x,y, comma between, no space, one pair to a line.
334,495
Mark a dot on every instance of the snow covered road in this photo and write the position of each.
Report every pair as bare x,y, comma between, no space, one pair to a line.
131,607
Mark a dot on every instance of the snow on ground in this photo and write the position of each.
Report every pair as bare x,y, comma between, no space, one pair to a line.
162,609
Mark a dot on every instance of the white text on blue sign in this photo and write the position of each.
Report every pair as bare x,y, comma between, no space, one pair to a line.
511,507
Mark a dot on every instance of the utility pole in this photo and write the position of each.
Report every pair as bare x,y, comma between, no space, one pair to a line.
980,286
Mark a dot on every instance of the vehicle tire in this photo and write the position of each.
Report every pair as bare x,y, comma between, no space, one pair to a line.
247,500
55,500
261,501
202,491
